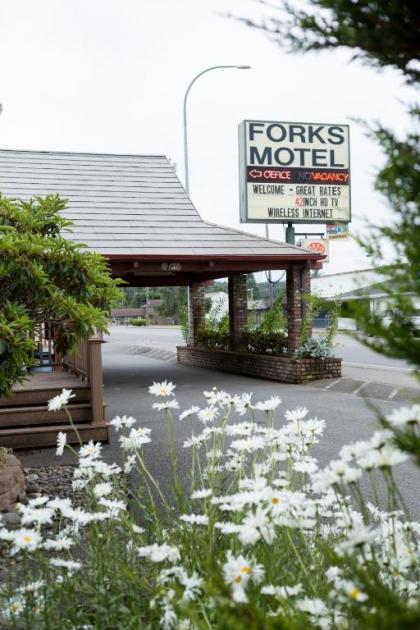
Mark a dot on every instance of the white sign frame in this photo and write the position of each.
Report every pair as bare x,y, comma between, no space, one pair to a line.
286,206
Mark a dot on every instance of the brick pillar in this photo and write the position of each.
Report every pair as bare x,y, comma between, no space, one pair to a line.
238,315
306,290
294,306
197,311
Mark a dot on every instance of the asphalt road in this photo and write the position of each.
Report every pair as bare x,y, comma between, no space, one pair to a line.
345,346
357,358
134,358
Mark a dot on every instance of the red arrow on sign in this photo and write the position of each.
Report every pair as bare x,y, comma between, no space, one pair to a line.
255,173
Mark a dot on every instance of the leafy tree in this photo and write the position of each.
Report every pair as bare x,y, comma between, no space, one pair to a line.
137,296
173,299
45,277
253,285
398,335
218,285
383,33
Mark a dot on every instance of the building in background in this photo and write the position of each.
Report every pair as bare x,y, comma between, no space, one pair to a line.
148,312
354,286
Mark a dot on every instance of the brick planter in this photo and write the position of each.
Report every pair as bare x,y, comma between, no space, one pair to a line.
274,368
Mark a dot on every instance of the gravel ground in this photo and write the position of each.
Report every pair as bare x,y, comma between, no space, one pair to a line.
53,481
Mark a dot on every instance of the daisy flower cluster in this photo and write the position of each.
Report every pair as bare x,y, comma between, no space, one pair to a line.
257,528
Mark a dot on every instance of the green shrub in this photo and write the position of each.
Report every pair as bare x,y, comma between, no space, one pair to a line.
257,341
140,321
262,342
274,319
215,339
315,347
46,277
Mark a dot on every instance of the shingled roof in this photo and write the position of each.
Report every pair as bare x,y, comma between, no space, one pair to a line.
125,205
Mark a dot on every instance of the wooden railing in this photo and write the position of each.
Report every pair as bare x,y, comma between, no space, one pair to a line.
77,361
86,362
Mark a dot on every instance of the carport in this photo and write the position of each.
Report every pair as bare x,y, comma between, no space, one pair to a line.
133,210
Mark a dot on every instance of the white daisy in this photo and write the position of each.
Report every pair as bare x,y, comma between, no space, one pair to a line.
129,464
162,389
242,403
208,414
296,414
405,416
189,412
168,404
60,543
113,506
353,592
135,439
61,443
201,494
159,553
238,572
39,516
91,450
122,421
58,402
37,501
314,607
102,489
195,519
70,565
268,405
25,540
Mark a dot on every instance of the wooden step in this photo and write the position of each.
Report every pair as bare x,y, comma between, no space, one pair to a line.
29,397
40,387
33,437
39,415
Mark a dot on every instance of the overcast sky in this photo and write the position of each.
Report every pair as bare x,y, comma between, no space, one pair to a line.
110,76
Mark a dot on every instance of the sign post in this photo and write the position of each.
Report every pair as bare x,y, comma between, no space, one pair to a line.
290,234
294,173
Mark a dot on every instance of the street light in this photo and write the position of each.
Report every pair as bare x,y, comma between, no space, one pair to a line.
187,183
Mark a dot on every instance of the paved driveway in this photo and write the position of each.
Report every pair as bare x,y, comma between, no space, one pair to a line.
127,375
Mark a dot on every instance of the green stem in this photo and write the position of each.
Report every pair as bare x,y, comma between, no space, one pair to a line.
73,426
152,479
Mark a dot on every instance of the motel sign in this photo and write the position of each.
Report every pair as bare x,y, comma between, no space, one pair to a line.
294,172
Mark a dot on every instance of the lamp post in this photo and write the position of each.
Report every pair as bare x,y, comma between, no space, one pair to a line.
186,178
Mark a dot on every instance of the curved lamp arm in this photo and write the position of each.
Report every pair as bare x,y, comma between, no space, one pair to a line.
187,183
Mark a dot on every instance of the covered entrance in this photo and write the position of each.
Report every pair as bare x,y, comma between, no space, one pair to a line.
133,210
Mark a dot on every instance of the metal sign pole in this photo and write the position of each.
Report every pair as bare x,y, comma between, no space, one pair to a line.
290,234
270,284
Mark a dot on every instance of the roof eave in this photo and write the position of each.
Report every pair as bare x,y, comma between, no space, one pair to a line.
220,257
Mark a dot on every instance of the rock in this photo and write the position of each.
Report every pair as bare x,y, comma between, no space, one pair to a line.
32,478
11,520
12,482
33,488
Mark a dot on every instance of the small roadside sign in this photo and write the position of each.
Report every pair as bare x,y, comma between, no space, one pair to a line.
318,246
